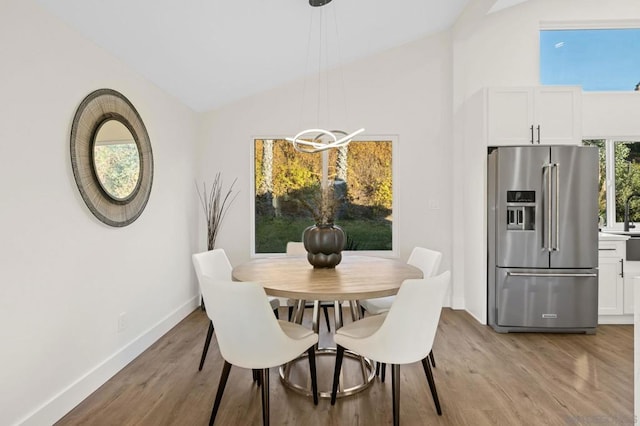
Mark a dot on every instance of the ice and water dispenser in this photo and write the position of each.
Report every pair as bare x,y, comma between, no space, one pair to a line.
521,210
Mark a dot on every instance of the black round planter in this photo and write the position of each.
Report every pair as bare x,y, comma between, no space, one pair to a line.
324,244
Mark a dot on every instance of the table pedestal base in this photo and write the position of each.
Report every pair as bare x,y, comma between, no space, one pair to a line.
368,374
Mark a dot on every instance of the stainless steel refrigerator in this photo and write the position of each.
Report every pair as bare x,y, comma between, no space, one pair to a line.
542,238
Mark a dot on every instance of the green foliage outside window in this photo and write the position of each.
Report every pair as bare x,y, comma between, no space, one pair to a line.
626,169
284,175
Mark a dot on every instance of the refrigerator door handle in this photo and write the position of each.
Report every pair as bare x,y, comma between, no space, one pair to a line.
556,229
552,275
546,197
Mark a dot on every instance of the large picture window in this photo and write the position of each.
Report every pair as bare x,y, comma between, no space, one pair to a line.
283,177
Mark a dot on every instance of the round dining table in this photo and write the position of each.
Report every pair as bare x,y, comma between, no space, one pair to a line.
357,277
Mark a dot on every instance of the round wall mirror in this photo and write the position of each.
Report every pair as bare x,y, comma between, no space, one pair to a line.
116,160
111,157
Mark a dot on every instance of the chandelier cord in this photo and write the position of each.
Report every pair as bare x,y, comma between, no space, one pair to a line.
319,67
341,68
319,139
307,69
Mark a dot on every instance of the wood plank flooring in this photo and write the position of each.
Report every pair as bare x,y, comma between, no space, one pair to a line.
483,378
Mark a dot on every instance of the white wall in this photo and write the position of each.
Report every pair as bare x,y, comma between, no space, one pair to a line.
64,276
500,49
405,92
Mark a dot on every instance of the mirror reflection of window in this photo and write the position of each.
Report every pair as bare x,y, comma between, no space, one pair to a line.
116,160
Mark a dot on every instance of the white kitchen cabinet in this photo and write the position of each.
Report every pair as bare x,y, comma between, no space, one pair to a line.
615,279
631,271
549,115
610,286
628,293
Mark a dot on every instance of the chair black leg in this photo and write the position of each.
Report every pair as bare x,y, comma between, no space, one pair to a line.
395,391
377,368
257,377
275,312
290,313
326,318
383,372
206,345
314,376
432,384
361,311
433,360
223,382
265,397
336,373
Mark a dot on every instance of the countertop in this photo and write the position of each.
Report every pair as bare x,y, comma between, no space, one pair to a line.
605,236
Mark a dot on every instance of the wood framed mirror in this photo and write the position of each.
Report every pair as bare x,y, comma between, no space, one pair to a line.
111,157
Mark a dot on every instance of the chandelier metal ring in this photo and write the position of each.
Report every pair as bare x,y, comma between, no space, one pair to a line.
322,140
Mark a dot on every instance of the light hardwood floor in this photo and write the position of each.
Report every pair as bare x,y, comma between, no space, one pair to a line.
483,378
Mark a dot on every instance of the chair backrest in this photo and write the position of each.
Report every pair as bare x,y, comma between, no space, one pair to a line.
410,327
295,248
213,263
428,261
247,332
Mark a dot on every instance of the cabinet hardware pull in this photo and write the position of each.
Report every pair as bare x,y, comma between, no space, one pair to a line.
538,134
606,249
531,134
622,268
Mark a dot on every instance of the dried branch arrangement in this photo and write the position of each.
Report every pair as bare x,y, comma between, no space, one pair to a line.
215,204
322,203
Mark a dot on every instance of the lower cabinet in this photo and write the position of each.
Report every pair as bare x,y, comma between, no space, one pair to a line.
632,270
610,286
615,283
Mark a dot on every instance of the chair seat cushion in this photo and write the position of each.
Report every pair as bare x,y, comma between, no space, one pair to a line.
294,331
362,328
378,305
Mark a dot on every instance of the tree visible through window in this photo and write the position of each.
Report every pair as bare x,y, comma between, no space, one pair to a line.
619,179
284,176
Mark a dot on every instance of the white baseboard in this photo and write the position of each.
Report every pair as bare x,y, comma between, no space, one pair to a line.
615,319
54,409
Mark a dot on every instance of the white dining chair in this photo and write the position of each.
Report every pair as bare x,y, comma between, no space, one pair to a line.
403,335
249,336
215,264
295,248
428,261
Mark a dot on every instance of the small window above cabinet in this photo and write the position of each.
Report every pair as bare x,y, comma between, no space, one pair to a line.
534,115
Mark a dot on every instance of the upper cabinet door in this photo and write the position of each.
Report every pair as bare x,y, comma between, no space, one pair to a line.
534,116
510,115
558,114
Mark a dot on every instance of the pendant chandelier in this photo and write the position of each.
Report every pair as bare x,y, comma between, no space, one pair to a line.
318,139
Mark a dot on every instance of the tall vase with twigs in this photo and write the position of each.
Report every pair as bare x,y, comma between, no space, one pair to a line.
215,204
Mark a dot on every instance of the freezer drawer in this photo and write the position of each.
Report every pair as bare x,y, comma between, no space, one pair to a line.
548,298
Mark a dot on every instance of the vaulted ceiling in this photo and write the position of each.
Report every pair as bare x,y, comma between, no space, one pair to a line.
211,52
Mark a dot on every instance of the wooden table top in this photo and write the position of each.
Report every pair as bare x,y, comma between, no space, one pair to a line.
356,277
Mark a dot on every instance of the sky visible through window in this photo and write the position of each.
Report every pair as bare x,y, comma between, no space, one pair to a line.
596,59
